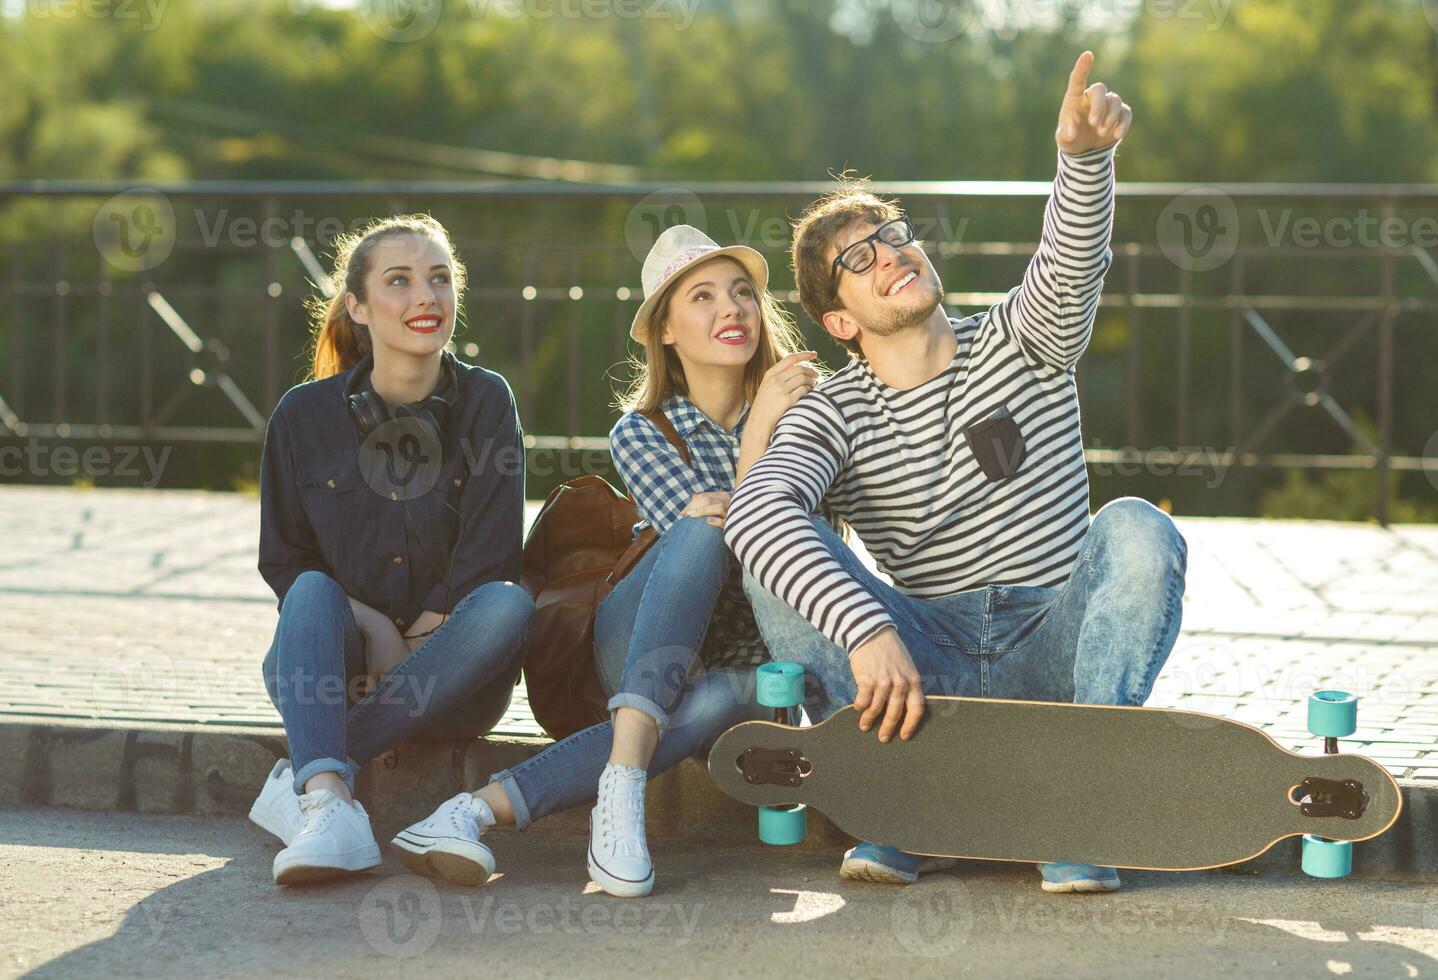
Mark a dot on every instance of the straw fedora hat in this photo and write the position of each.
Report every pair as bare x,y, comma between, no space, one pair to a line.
678,249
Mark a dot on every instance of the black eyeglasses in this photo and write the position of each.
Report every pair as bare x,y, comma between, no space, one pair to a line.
860,257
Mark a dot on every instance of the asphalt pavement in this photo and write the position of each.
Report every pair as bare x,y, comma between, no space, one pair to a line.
96,894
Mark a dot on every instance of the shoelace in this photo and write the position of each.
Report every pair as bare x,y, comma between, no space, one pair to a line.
468,817
315,807
623,819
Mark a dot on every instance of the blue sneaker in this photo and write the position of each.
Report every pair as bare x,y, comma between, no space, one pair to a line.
1064,877
889,865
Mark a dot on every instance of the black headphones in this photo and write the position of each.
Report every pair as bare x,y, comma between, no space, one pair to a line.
368,411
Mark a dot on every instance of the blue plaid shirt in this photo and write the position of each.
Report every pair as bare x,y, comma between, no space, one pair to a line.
662,485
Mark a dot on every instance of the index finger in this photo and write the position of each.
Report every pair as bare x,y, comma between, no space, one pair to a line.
878,704
866,690
1078,78
799,355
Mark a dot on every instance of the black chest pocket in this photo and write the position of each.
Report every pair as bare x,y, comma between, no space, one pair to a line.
997,445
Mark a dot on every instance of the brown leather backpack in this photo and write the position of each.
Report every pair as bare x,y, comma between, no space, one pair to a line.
581,545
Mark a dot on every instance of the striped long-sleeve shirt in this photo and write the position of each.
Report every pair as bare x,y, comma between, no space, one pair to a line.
897,466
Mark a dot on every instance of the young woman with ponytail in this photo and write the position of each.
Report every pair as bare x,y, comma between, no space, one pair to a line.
391,511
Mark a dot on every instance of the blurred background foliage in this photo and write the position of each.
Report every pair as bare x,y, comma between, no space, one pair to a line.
744,90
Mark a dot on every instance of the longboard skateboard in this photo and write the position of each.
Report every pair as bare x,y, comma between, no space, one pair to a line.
1031,781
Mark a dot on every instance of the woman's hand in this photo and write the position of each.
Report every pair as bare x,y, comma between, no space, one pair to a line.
713,506
383,645
783,385
425,623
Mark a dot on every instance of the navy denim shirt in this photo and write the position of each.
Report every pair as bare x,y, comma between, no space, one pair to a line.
318,509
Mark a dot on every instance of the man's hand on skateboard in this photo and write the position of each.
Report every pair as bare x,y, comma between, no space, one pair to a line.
888,685
1091,116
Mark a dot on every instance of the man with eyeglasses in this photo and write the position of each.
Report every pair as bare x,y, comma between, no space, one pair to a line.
952,447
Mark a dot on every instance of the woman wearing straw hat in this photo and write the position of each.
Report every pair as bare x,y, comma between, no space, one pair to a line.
676,641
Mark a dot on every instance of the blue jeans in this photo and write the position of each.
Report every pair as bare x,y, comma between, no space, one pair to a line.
647,636
1101,638
456,685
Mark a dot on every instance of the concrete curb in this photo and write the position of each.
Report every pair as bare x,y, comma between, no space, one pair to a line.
212,769
207,769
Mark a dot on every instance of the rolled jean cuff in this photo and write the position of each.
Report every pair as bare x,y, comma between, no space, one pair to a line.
639,703
510,786
314,767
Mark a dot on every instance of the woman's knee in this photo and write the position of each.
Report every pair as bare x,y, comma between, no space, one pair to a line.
314,585
696,534
315,619
311,587
502,603
509,599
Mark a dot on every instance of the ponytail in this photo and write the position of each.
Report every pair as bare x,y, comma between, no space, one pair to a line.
340,343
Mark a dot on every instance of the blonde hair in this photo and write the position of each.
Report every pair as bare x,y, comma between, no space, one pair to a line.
659,374
338,342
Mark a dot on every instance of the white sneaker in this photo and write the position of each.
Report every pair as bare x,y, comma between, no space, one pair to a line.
618,853
335,840
446,844
277,809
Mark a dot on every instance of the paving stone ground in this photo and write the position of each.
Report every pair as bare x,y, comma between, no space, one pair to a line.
136,605
136,895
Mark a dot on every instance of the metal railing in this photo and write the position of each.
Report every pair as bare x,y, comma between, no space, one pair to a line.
102,343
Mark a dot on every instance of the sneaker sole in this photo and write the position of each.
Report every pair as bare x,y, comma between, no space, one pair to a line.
620,887
303,871
858,869
1087,886
861,869
456,861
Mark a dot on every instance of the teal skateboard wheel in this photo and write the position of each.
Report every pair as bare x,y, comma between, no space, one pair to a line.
780,684
1327,858
783,825
1332,714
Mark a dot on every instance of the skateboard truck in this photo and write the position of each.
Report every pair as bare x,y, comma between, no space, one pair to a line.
773,767
1332,798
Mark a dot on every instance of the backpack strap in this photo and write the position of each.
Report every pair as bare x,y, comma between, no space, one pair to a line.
645,538
662,423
